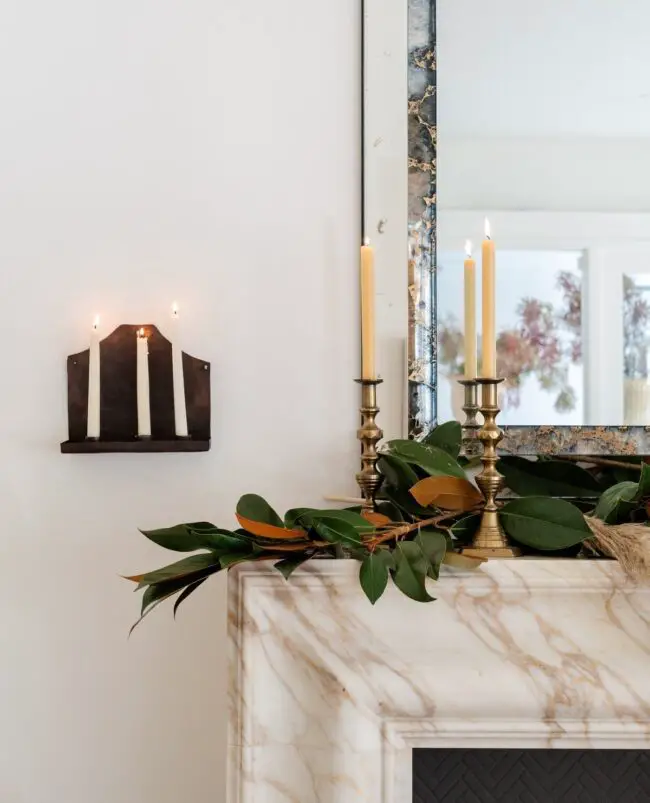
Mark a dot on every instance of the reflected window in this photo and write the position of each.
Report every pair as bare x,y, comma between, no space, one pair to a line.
539,336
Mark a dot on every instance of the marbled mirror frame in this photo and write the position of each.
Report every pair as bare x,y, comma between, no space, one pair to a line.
422,345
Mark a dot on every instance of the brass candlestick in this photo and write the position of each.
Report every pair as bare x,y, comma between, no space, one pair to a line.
471,444
490,541
369,434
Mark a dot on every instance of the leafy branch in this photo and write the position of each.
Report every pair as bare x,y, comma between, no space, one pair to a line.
428,509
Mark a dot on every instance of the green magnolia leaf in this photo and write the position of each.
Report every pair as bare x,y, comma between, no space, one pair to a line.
190,589
224,541
447,436
433,545
411,570
544,523
336,530
643,491
397,472
373,573
292,517
287,566
463,562
180,538
253,507
430,459
390,510
159,592
465,529
226,561
181,569
617,501
404,501
548,478
348,516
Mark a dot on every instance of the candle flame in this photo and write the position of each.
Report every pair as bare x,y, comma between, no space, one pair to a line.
468,248
366,241
141,332
174,310
96,323
487,229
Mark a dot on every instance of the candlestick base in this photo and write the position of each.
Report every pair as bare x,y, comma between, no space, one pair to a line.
490,541
369,479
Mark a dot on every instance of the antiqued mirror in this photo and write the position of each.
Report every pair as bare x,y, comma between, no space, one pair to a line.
538,119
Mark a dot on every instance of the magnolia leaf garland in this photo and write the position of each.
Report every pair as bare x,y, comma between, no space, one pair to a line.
429,508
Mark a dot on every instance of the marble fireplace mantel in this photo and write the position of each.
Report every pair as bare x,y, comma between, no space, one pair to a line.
329,695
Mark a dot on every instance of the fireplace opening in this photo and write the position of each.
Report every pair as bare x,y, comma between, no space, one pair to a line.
530,776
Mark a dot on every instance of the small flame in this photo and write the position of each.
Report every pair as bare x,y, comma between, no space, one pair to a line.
468,248
96,323
141,332
488,236
174,310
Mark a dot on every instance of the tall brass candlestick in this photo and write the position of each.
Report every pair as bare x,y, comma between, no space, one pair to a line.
490,541
471,445
369,479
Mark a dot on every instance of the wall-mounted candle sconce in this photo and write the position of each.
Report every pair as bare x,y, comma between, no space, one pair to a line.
136,391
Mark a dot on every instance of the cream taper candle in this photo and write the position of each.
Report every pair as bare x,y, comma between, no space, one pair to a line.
93,425
144,402
470,313
367,311
488,324
180,408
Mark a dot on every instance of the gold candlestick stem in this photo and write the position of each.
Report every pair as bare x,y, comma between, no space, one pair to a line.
471,445
490,541
369,479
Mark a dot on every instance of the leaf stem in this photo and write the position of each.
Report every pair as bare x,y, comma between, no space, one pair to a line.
405,529
598,461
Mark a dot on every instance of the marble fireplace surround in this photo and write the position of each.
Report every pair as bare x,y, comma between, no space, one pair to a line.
330,695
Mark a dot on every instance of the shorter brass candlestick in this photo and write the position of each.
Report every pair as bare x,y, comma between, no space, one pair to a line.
490,541
471,445
369,434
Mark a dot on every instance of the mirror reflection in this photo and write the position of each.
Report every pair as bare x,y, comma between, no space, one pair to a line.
544,126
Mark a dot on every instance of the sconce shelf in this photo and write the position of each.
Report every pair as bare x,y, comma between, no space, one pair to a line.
142,447
118,398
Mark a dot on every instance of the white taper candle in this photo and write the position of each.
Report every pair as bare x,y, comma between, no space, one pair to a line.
180,409
93,425
144,402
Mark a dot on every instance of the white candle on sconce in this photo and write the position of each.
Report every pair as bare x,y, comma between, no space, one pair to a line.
93,422
180,407
144,402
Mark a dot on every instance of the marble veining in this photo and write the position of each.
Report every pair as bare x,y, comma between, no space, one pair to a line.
329,695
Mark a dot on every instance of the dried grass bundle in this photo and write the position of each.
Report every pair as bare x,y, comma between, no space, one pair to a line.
629,544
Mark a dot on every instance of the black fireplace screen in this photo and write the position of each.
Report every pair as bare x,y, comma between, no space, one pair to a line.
531,776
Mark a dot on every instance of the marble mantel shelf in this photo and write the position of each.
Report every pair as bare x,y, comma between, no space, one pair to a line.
329,695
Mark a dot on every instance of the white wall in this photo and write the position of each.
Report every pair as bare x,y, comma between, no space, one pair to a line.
190,149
